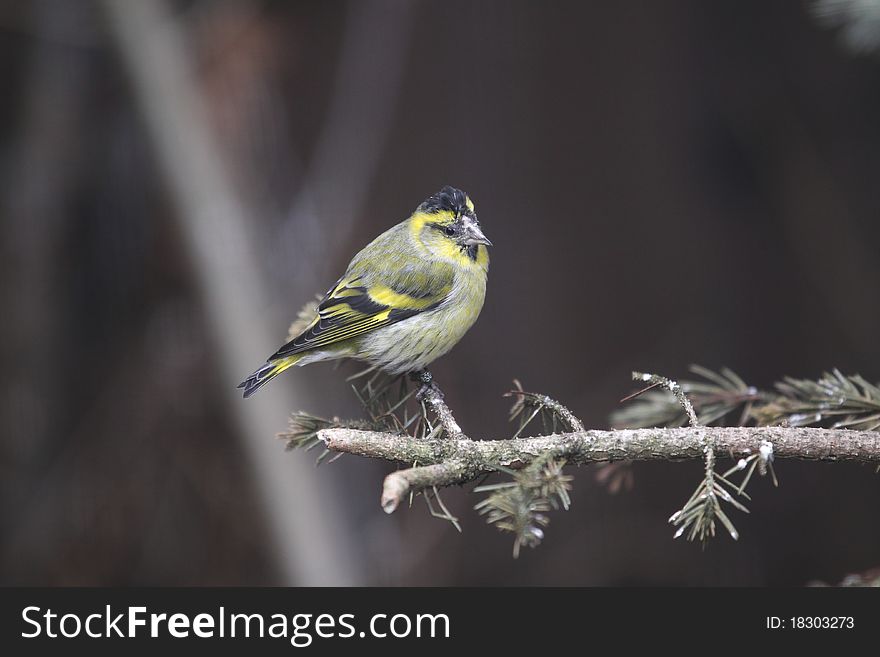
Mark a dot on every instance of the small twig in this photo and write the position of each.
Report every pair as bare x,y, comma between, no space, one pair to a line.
431,395
528,405
398,484
673,387
703,508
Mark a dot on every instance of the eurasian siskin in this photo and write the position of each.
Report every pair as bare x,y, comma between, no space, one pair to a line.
406,299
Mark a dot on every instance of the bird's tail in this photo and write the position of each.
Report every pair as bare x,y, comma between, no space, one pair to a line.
266,373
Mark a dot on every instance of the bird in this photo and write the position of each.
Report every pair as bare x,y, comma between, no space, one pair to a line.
404,300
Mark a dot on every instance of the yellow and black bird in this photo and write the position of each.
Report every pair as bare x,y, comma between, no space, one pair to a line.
406,299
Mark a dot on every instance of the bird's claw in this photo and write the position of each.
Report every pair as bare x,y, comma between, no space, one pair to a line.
424,377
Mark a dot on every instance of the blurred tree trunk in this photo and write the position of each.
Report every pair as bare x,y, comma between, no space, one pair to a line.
306,521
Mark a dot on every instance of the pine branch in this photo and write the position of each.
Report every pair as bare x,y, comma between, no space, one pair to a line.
520,506
438,454
835,399
704,507
463,460
302,431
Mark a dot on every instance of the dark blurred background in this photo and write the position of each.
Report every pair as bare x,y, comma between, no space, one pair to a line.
665,184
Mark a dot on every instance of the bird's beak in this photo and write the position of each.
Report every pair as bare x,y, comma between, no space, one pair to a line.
471,233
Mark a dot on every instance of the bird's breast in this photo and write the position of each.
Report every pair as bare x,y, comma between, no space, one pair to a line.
415,342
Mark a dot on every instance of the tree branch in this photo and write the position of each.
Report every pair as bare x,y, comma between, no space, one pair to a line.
459,460
398,484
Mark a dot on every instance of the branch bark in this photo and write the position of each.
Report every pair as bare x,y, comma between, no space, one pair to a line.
433,397
452,461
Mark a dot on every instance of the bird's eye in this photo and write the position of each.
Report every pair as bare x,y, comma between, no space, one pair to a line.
449,230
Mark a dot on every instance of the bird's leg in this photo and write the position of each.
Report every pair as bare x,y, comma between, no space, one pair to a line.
431,394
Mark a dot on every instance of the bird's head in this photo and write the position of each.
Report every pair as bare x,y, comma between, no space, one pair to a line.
447,224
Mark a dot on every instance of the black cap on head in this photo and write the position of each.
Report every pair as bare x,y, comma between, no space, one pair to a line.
449,198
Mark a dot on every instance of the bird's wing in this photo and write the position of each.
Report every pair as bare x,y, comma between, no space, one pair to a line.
362,301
